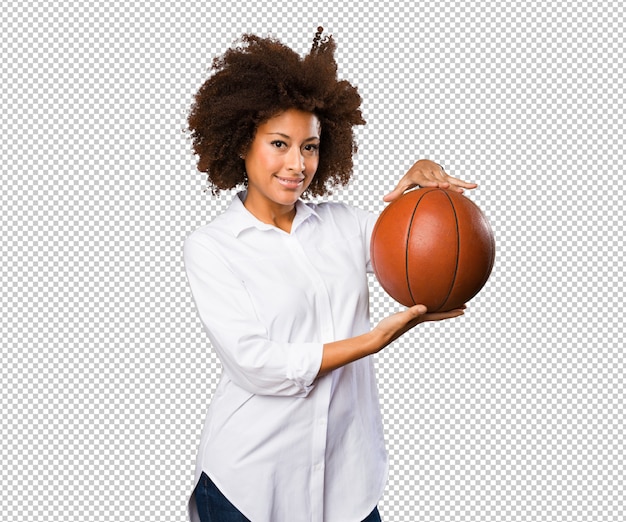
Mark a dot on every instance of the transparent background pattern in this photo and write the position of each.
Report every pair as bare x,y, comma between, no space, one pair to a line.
514,412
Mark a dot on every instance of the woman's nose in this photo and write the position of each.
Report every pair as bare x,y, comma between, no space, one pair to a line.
295,160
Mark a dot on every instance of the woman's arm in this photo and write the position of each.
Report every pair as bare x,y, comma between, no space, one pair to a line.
423,173
248,355
340,353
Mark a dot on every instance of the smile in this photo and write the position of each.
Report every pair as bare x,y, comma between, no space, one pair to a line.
290,182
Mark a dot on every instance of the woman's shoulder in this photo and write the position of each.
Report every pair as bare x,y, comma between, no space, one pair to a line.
211,236
225,223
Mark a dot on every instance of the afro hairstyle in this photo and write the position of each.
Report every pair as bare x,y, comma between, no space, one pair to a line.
260,78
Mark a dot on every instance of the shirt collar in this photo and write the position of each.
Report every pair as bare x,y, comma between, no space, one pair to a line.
240,218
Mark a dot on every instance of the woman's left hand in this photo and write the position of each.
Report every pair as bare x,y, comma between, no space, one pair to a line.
426,173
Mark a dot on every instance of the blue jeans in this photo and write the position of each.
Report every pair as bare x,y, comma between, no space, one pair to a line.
215,507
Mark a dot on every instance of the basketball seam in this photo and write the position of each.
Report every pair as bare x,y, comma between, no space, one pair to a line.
492,257
406,249
458,252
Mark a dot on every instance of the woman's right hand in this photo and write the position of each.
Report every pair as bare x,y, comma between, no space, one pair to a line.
395,325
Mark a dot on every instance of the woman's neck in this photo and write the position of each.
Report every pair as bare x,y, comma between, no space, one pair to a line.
280,216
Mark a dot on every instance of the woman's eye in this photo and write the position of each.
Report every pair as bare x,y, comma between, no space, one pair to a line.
312,147
279,144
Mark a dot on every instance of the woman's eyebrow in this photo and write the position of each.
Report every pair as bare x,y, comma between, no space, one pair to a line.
289,137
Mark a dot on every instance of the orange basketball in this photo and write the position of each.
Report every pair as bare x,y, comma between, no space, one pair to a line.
433,247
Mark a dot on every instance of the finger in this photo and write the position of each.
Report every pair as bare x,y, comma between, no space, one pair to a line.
418,309
440,316
455,183
459,183
435,183
398,191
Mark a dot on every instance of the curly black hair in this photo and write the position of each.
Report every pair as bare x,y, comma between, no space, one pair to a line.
258,79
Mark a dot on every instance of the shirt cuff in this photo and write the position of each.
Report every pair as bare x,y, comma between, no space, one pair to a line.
304,364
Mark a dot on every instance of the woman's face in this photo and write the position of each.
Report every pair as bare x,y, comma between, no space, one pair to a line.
282,160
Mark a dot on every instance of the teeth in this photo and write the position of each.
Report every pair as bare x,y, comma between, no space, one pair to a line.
290,182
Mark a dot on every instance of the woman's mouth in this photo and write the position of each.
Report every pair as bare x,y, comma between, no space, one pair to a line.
291,183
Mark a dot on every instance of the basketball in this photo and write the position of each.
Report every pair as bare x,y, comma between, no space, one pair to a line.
433,247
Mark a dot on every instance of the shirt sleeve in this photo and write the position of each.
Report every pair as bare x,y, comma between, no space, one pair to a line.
249,357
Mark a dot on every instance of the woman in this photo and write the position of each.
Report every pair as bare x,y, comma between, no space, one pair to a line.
294,430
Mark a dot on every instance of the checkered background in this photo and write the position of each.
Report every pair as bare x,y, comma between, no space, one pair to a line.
514,412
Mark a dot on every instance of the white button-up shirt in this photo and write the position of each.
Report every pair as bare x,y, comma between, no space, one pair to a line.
280,444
